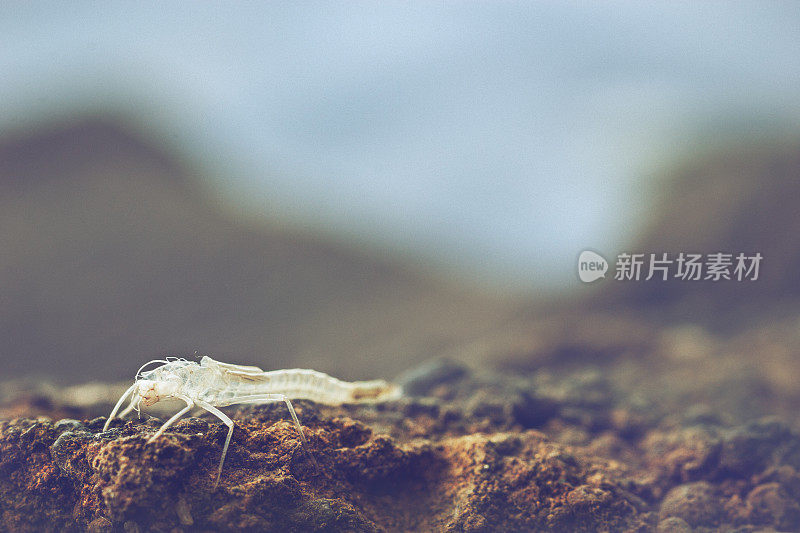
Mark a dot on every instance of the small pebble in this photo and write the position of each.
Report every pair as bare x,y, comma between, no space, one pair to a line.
100,525
532,411
695,503
111,434
485,406
184,514
68,424
325,514
96,424
62,449
771,504
748,450
421,380
422,406
673,524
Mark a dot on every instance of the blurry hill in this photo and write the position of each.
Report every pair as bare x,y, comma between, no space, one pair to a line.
111,254
738,199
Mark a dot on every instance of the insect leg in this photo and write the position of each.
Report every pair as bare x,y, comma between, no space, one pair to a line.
175,417
130,407
264,398
299,430
228,422
119,404
296,421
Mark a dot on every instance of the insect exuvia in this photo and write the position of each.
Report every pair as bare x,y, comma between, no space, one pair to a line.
211,384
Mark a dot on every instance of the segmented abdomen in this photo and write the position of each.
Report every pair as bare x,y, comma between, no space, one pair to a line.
312,385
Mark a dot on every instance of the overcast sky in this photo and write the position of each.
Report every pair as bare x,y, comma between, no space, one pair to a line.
500,137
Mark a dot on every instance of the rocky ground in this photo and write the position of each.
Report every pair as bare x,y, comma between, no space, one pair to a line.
648,406
579,423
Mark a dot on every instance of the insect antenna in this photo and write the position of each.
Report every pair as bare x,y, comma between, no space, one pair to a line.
139,372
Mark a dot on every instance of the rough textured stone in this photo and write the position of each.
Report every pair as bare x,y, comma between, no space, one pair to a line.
696,503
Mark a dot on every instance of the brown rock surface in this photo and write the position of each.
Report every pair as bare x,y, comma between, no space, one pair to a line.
564,448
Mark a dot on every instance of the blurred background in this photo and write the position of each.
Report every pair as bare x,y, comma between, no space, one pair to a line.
359,187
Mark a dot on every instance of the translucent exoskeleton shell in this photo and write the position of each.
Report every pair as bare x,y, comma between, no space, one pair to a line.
211,384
